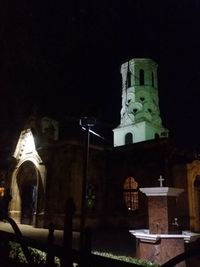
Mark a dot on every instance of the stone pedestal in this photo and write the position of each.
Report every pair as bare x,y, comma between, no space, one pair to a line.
162,241
159,248
161,208
162,251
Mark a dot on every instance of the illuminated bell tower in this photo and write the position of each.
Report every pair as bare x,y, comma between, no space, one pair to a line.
140,114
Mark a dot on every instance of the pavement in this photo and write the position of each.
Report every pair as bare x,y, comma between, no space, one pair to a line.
115,241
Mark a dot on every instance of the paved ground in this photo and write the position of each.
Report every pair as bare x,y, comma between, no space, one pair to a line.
118,242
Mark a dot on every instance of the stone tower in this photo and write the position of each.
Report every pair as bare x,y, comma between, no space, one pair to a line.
140,114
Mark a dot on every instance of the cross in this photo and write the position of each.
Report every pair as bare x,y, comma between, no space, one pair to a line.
161,181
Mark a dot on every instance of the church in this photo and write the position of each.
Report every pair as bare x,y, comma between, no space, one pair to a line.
48,166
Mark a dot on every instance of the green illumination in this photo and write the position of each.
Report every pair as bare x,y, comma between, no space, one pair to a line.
140,113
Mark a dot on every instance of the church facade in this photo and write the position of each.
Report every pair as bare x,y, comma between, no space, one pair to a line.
47,171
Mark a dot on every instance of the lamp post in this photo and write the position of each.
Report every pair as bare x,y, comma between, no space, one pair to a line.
86,123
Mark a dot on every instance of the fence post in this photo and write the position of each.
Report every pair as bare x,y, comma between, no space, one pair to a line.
87,248
19,236
50,254
66,260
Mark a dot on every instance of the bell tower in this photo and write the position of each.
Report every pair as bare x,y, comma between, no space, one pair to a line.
140,113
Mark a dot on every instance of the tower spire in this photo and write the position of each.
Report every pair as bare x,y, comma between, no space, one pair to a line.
140,113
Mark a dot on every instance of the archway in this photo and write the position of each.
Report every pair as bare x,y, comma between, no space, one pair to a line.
27,185
194,194
27,203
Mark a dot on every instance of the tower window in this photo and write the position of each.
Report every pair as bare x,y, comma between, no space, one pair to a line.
141,77
130,194
152,77
135,110
142,99
128,138
128,79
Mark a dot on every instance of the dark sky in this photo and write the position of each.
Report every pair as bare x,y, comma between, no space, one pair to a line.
63,58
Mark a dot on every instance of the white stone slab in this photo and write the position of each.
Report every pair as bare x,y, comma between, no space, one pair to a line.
143,235
161,191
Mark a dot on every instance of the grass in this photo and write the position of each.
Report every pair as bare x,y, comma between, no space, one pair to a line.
126,259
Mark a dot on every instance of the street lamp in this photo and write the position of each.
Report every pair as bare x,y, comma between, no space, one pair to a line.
86,123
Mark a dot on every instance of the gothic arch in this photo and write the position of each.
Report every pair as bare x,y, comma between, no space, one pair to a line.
27,189
193,171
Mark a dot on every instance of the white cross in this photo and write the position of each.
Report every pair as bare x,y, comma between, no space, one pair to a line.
161,181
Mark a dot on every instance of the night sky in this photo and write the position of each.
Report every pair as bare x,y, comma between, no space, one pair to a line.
62,59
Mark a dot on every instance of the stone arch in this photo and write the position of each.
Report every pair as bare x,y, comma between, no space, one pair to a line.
193,174
27,189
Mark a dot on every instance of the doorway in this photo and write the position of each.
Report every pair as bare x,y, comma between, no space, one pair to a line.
28,201
27,185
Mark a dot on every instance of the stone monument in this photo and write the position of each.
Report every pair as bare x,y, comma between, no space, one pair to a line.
163,240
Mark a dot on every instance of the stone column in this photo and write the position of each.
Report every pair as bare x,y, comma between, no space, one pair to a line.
161,208
163,243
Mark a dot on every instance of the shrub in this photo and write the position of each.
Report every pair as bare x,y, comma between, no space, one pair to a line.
38,256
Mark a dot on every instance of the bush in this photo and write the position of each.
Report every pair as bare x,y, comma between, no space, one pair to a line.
38,256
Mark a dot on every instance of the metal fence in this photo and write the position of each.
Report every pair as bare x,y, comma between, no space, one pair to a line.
68,256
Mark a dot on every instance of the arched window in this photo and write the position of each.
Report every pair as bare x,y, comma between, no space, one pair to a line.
90,196
152,77
141,77
128,138
128,79
130,194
